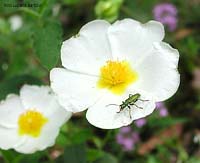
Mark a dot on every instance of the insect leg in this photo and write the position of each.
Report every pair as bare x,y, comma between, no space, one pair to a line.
129,110
137,106
120,109
142,100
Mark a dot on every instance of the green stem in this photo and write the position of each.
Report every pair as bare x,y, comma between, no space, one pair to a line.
120,156
105,140
30,12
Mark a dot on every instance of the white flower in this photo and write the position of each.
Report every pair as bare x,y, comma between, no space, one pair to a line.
106,63
31,121
15,22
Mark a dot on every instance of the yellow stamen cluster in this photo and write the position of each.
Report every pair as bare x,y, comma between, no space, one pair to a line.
116,76
30,123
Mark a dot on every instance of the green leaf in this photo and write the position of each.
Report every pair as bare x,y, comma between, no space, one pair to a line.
8,155
46,7
93,155
47,40
33,5
61,139
107,158
4,26
73,154
151,159
32,158
193,160
81,136
6,6
71,2
12,85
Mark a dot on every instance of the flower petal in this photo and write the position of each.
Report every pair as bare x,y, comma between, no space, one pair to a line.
130,39
48,134
40,98
75,91
106,116
89,50
8,138
10,109
158,72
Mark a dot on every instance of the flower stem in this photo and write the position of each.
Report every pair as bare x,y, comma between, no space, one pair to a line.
107,137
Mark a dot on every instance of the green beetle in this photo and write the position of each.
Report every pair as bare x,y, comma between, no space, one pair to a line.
130,101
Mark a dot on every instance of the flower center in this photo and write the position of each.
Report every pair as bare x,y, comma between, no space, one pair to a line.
30,123
116,76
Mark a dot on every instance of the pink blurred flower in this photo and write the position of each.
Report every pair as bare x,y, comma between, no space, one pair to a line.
140,122
125,130
163,112
166,13
127,138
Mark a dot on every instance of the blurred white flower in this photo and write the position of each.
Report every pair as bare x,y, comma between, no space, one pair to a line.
106,63
31,121
15,22
196,139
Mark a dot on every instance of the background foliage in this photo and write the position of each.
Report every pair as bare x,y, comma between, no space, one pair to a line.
28,53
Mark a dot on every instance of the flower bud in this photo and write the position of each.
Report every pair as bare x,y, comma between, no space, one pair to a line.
108,9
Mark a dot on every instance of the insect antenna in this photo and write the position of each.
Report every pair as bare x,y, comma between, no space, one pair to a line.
111,104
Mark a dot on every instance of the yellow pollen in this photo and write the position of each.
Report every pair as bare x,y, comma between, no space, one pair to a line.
30,123
116,76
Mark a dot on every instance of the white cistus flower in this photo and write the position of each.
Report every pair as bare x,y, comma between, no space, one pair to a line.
30,122
15,22
106,64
